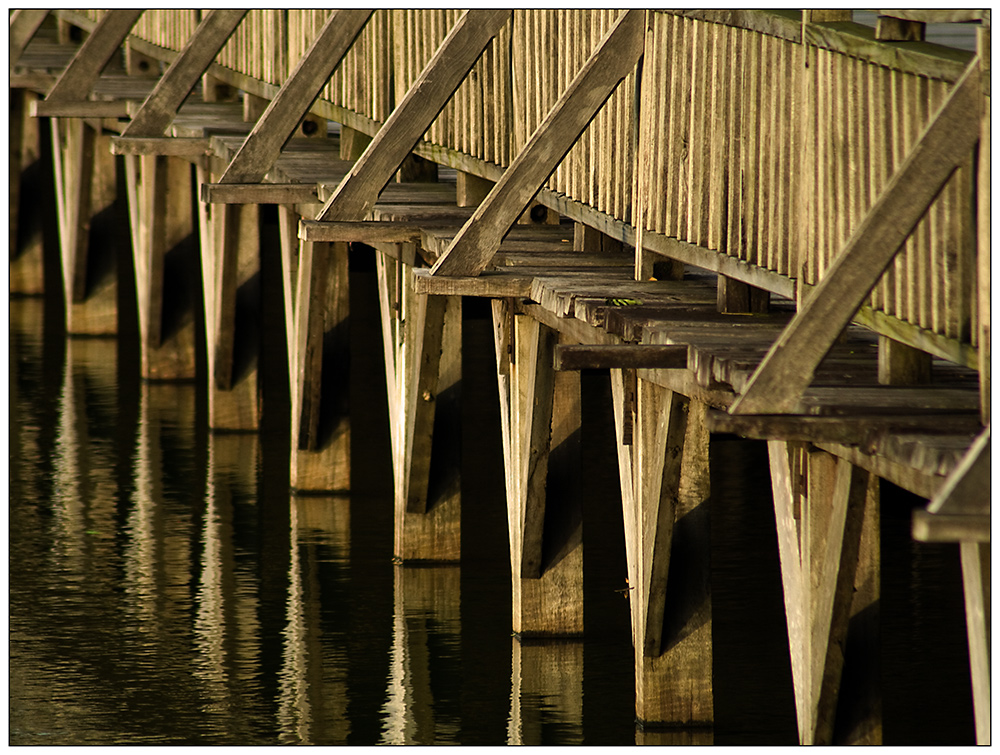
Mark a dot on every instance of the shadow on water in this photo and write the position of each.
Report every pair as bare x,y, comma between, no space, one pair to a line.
165,587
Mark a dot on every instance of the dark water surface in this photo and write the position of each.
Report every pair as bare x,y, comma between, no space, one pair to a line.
165,587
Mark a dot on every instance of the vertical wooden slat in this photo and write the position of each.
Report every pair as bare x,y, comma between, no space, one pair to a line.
677,114
734,198
715,149
751,164
770,125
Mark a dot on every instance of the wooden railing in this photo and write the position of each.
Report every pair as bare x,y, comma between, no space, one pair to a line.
745,135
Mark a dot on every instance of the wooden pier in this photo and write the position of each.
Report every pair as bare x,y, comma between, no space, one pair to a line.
767,224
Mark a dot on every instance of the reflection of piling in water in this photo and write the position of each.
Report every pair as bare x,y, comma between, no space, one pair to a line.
425,644
727,290
546,692
313,694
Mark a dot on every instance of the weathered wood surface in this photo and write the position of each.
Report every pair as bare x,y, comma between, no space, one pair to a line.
790,365
86,66
258,153
413,115
961,509
822,509
24,24
614,58
184,73
270,193
623,356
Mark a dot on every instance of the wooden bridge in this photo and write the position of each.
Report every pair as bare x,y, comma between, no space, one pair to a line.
773,224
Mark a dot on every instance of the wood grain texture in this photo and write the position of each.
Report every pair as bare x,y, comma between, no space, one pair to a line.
24,23
789,366
184,73
614,58
106,38
297,94
436,84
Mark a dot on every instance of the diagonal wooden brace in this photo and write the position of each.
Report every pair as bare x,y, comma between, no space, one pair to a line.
789,366
262,147
615,57
435,85
86,66
162,104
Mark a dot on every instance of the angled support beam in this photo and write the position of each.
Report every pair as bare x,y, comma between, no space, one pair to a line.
24,24
85,68
435,85
615,57
961,509
161,105
262,147
789,366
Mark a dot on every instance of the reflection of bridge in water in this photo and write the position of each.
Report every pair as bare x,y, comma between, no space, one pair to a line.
765,224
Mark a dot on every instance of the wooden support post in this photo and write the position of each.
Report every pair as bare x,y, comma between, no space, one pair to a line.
182,76
470,189
214,90
663,468
827,520
615,57
230,264
540,420
24,24
415,168
85,68
85,187
28,172
889,29
138,64
900,364
592,241
164,256
422,339
253,107
353,143
357,193
316,315
736,297
960,512
976,583
789,366
278,122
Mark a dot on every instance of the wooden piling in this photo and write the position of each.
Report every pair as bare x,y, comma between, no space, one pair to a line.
422,338
664,476
540,416
825,510
85,187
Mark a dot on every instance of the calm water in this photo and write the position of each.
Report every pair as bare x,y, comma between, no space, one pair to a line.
165,587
